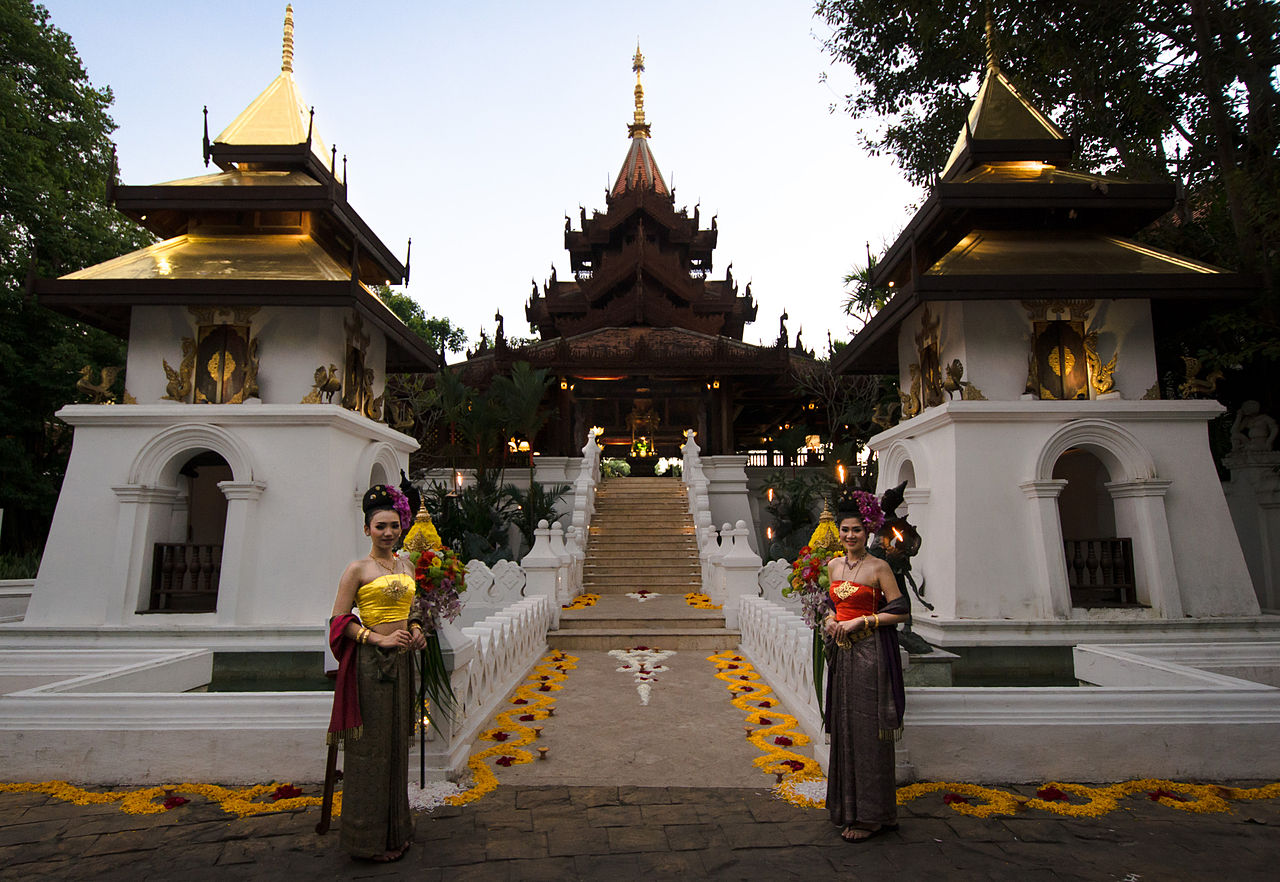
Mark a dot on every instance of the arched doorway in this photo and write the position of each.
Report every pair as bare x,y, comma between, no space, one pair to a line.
1100,569
185,570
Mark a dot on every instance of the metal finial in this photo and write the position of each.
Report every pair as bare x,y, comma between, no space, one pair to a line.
286,60
993,65
638,128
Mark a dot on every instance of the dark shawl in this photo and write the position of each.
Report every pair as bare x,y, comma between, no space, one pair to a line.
890,691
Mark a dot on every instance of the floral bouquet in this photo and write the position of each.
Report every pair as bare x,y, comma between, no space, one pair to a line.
441,578
810,579
672,464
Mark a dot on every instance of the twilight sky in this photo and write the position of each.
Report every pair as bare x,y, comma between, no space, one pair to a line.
476,127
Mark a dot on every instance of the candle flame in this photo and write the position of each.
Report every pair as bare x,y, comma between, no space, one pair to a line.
840,473
897,534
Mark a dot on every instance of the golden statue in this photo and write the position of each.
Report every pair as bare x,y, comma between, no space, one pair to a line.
825,536
422,535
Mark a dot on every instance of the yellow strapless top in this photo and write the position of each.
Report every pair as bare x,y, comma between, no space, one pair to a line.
385,599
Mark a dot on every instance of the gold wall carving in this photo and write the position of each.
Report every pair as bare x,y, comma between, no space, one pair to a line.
325,385
1193,385
227,357
1062,308
1100,375
99,392
178,387
926,373
1152,394
955,383
357,380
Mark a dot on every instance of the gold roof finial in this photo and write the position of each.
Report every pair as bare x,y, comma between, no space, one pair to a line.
286,61
639,128
993,65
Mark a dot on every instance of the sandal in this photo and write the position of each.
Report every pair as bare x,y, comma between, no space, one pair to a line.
868,833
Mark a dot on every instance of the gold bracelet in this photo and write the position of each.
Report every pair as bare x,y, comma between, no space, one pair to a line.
877,615
414,626
362,636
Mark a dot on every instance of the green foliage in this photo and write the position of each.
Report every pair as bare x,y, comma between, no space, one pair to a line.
615,468
24,565
438,332
538,503
797,502
55,163
1151,90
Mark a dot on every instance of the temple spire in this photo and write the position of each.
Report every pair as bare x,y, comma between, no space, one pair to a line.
989,38
286,60
639,128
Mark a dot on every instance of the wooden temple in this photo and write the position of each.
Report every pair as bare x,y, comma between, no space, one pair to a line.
643,343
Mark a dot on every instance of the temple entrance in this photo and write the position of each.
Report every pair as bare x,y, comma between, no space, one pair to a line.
1099,563
185,571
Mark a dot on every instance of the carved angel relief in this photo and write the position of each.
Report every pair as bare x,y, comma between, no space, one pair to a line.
178,387
357,380
927,388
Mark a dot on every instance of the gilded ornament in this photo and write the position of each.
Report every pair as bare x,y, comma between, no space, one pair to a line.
1100,375
325,385
249,388
1152,394
928,354
955,383
1062,308
126,398
911,400
1195,386
100,392
179,385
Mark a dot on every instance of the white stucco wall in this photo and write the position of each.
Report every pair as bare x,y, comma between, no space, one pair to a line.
985,504
293,523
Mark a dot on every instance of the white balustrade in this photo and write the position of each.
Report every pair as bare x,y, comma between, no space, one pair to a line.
780,645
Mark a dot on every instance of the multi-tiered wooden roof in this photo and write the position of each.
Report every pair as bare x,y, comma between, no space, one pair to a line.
272,227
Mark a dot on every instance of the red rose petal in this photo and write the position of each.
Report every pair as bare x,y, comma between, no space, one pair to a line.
505,760
174,801
782,741
953,797
1051,794
545,687
500,736
525,718
285,791
764,721
519,701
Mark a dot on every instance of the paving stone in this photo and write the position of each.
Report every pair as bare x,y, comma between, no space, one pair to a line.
505,845
689,837
508,819
978,829
632,839
1036,830
646,795
614,816
550,869
541,796
594,796
669,814
39,831
754,835
620,867
815,831
577,839
125,841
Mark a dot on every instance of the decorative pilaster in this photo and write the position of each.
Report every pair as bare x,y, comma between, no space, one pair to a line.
1053,594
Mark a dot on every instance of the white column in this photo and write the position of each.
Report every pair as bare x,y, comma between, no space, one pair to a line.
540,566
144,513
239,546
1140,513
1049,577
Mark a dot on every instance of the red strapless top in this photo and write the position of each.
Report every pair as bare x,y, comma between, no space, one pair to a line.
859,600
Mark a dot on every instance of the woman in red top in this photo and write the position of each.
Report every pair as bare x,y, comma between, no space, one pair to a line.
864,689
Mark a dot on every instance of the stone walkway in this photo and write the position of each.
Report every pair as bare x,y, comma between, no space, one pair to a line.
625,833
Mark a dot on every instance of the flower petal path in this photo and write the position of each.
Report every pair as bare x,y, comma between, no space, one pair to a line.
531,702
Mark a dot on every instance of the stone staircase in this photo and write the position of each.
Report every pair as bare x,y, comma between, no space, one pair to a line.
642,538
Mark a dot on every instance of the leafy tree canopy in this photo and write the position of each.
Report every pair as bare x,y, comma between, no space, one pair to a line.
1151,89
55,162
439,332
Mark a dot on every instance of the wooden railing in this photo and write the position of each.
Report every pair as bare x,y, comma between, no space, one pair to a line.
184,577
1100,571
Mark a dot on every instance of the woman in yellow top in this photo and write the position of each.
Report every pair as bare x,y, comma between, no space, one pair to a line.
376,676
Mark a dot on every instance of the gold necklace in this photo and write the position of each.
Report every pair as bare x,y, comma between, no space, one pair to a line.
389,569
